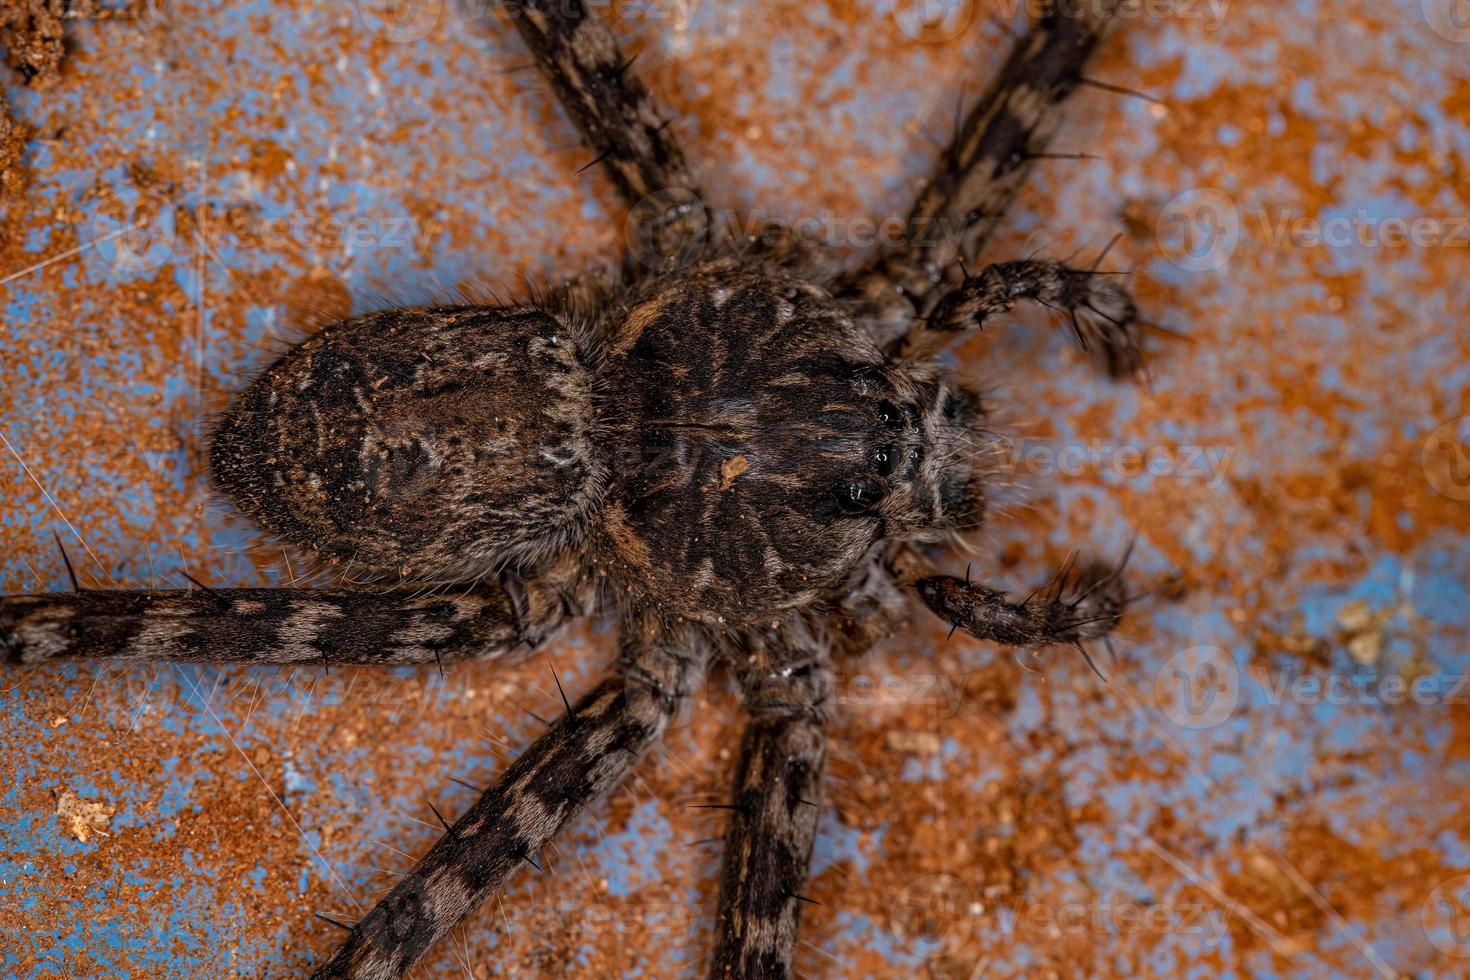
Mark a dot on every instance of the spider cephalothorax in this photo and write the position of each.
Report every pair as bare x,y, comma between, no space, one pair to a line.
744,455
762,444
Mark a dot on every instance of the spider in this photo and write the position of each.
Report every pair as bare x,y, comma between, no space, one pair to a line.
742,450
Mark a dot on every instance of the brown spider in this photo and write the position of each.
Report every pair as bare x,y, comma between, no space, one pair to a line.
741,451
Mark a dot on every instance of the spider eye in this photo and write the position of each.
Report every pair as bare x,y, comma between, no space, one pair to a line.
884,461
859,497
889,415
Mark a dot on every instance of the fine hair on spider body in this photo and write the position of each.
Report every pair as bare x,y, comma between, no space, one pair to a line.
739,452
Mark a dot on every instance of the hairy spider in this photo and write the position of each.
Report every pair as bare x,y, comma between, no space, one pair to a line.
740,450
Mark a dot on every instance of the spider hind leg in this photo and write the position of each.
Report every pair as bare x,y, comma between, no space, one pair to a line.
618,118
773,822
582,758
503,618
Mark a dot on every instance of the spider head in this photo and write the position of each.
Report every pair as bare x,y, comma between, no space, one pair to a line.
761,445
938,486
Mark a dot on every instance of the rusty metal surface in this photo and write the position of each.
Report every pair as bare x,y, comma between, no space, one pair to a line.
1273,783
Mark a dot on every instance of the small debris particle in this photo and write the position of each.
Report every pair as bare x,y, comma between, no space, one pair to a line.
913,743
1355,616
12,142
83,818
1365,648
31,33
56,721
1365,631
730,469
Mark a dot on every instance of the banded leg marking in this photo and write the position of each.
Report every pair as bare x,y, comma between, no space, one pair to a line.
584,755
773,823
982,170
283,626
1102,315
610,105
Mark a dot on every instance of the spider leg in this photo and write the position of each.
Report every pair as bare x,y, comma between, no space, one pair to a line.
1101,313
505,619
584,755
983,168
617,116
773,820
1080,603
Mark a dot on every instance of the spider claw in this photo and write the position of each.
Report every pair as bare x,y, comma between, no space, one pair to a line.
737,807
219,600
1088,657
447,828
339,925
596,160
571,712
704,841
1118,89
70,572
467,785
1104,253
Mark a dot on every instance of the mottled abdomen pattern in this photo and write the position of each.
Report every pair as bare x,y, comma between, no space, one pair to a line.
424,442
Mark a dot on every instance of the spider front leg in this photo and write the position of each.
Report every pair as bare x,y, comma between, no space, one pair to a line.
580,759
1079,604
388,627
1101,312
983,168
773,820
604,96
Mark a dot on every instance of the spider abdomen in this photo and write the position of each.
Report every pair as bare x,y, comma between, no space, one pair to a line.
422,442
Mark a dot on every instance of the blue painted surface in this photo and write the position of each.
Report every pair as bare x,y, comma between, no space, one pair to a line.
461,178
